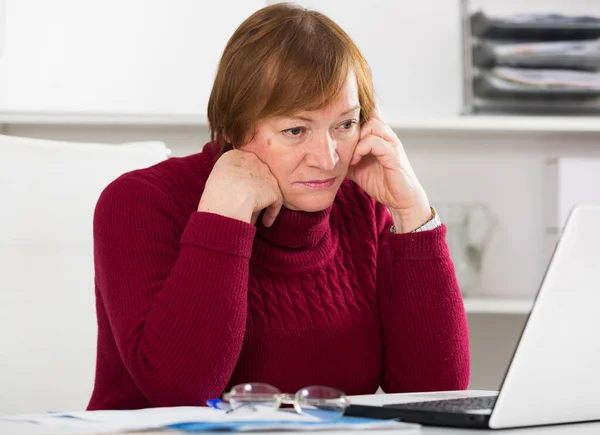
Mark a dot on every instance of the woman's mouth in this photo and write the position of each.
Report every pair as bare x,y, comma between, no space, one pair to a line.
318,184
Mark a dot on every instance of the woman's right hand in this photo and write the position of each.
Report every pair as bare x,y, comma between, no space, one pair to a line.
240,186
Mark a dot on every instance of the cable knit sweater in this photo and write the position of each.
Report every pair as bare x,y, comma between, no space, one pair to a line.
191,303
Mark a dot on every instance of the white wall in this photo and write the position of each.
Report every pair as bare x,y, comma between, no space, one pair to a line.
116,55
2,21
415,54
3,85
159,56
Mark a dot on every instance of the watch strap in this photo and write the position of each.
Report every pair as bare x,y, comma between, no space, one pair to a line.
431,224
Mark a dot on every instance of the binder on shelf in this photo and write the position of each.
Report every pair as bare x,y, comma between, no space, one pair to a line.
549,85
573,55
534,63
535,27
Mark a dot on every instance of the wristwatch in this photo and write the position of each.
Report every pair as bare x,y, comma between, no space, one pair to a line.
431,224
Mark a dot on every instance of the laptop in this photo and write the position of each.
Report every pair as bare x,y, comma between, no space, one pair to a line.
554,373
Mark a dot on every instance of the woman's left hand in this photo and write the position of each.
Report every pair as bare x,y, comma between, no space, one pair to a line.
381,168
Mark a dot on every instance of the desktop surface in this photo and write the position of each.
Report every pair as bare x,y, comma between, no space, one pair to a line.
12,428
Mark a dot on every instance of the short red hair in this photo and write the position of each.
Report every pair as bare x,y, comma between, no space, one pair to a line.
281,60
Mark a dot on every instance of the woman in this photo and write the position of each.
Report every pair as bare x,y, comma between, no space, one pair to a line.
298,248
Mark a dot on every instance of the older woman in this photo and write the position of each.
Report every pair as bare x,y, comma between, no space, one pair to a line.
297,248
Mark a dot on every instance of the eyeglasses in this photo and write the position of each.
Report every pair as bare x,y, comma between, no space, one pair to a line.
326,403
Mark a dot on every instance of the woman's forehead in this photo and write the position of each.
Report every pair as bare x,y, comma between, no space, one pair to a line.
346,102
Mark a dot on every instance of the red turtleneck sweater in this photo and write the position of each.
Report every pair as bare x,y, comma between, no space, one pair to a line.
190,304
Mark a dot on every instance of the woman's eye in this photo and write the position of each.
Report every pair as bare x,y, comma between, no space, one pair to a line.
294,131
348,124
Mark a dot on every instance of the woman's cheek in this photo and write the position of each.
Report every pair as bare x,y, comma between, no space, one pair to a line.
346,149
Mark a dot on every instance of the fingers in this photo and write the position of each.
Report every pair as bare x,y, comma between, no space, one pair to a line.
254,217
362,149
267,188
272,211
377,127
372,145
376,113
377,138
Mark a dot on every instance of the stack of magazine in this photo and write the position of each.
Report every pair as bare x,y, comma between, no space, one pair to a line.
543,58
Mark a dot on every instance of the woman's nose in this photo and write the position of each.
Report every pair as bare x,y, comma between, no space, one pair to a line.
323,154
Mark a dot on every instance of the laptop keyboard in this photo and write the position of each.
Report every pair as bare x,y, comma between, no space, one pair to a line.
450,405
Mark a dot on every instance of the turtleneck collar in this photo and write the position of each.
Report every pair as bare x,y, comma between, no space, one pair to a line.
297,241
296,229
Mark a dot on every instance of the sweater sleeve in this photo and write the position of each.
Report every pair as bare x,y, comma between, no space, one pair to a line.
426,343
176,298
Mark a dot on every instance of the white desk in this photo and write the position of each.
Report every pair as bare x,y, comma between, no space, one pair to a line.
10,428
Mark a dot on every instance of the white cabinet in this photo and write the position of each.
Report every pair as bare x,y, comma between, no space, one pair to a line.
569,181
115,56
413,49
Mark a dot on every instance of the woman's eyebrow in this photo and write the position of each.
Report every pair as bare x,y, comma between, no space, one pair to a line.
350,110
302,118
308,119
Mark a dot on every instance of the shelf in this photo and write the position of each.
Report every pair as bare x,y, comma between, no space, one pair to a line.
81,118
502,124
468,123
498,305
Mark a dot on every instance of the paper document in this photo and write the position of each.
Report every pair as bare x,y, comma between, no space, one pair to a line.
551,19
548,78
196,419
563,48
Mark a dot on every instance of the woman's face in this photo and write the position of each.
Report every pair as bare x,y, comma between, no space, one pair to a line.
309,152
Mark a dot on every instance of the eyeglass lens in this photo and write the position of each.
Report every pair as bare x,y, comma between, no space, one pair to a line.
318,401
